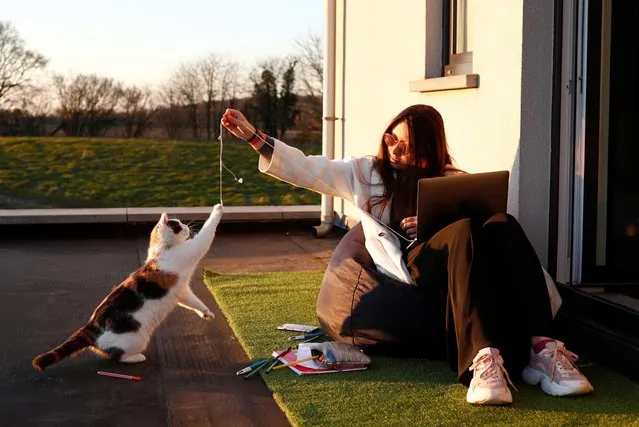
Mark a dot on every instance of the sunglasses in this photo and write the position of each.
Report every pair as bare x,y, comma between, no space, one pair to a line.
391,141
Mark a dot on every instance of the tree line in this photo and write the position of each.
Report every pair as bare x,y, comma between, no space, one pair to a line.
278,94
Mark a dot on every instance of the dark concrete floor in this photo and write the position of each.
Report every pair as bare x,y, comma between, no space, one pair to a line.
52,279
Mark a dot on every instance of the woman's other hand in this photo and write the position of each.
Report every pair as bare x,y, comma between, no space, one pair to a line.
409,225
236,123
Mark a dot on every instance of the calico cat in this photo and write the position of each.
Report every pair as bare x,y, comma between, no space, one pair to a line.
122,325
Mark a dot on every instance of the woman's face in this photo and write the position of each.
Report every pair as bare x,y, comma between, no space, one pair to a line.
397,144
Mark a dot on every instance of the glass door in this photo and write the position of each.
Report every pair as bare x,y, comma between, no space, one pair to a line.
610,247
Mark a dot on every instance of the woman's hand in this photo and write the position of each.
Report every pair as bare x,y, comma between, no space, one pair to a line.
237,124
409,225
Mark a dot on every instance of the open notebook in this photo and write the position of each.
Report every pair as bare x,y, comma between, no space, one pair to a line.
310,367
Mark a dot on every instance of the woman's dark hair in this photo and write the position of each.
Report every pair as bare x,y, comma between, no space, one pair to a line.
429,150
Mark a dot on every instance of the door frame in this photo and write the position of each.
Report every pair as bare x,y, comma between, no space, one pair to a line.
572,142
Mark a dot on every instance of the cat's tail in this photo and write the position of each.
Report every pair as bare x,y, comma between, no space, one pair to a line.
78,341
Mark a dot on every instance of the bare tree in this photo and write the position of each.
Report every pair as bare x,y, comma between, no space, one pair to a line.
29,113
37,100
16,62
170,113
189,91
311,54
137,110
36,104
71,106
87,104
230,87
201,90
208,70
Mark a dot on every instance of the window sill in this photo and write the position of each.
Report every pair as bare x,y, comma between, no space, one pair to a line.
463,81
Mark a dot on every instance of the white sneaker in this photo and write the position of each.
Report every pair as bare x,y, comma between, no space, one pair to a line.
488,386
554,368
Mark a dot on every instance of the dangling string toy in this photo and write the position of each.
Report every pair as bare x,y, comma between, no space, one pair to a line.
222,165
410,241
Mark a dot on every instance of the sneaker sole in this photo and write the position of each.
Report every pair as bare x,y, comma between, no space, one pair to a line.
534,377
504,398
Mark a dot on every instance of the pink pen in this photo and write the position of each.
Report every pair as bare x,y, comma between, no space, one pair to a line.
126,377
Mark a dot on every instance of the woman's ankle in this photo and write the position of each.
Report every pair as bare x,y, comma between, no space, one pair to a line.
538,343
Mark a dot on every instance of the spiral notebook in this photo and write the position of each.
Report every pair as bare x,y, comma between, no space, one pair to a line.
310,367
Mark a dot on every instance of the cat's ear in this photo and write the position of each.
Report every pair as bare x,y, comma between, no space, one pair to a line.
164,219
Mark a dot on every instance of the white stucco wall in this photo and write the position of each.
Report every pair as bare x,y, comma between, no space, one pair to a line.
384,48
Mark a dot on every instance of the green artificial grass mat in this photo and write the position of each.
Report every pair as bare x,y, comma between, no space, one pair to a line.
393,391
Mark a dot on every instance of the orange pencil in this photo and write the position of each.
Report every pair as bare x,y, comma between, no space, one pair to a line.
296,362
126,377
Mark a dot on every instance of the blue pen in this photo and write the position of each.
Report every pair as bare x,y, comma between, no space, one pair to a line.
276,359
250,368
306,336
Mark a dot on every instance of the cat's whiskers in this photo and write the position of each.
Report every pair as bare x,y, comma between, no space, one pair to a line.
192,231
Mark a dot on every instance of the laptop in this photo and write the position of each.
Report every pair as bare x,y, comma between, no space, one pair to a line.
444,200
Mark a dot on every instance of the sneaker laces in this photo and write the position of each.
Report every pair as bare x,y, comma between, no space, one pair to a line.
493,367
563,360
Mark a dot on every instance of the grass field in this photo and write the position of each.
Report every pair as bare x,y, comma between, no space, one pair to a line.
93,172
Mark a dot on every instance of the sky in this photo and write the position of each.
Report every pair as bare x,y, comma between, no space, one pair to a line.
144,41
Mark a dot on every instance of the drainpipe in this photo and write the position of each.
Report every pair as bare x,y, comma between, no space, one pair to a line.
328,122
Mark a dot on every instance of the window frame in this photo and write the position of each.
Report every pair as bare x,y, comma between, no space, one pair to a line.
446,68
455,56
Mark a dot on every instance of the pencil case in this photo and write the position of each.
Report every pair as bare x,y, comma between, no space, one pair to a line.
337,355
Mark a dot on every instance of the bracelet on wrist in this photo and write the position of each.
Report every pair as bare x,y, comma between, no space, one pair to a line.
255,138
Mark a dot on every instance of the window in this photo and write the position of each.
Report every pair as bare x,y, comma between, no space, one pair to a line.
449,66
455,56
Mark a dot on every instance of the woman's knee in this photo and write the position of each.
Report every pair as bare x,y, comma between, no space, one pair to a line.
462,225
460,230
501,217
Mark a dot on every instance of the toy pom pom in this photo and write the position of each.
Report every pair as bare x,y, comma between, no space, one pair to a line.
240,180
